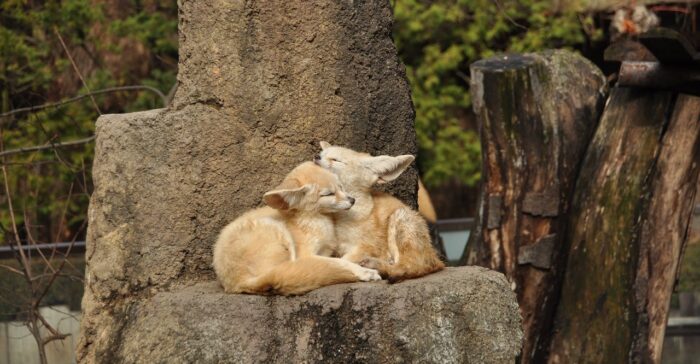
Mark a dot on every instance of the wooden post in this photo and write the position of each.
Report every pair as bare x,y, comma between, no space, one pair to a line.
628,225
537,113
665,226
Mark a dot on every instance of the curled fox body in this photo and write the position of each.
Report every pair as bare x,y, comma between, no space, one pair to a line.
277,248
380,231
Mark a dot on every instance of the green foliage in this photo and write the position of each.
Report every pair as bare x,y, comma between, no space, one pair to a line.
689,278
50,189
136,43
437,40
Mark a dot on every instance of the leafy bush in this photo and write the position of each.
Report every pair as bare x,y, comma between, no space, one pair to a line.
50,190
126,43
437,41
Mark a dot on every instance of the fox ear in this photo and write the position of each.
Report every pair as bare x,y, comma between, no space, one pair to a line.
324,144
389,168
286,195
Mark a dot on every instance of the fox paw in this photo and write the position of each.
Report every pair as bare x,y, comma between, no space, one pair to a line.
367,275
371,263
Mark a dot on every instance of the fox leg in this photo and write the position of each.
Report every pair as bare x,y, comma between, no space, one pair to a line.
384,265
366,259
409,244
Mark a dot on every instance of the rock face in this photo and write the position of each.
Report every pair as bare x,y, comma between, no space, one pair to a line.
260,83
461,315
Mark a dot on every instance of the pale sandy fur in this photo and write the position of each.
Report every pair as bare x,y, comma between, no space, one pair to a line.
269,250
380,231
425,204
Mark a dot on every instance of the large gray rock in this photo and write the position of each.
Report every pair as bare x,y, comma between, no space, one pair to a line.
260,83
462,315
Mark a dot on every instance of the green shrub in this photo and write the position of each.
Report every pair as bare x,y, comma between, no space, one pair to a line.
34,69
689,278
438,40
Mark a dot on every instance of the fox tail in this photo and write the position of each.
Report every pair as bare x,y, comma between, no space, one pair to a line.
300,276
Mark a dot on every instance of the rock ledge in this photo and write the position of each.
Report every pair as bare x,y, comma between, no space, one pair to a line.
460,315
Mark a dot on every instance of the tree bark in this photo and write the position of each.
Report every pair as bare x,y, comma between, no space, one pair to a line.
628,225
666,225
537,113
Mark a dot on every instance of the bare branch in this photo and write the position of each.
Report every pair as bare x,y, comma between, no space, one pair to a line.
67,313
63,213
45,290
13,270
31,240
89,94
50,139
71,276
46,324
511,20
54,337
75,67
47,146
23,258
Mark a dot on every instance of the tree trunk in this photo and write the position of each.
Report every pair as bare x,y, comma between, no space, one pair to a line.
628,224
537,113
666,225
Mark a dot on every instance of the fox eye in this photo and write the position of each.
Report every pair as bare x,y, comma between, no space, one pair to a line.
325,194
335,160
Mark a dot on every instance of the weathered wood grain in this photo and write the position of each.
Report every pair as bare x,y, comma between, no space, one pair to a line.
596,317
665,226
537,113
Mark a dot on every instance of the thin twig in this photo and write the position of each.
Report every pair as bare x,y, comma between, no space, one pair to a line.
55,337
45,290
500,8
67,313
63,217
24,261
42,276
90,94
47,146
50,140
31,240
55,334
13,270
75,67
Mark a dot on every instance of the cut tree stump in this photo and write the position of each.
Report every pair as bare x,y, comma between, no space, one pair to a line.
537,113
628,225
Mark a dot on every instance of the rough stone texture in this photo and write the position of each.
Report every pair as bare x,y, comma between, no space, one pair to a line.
260,83
461,315
296,72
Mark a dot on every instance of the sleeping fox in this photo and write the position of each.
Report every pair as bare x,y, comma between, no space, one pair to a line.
277,249
380,231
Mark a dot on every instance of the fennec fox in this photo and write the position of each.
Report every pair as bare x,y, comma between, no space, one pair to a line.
379,231
274,249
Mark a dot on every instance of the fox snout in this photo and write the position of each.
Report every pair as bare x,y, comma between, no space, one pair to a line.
317,158
346,203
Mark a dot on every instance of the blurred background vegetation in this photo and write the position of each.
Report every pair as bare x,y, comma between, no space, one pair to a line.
131,42
112,43
438,40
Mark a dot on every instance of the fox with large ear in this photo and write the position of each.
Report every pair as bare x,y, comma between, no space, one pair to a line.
278,248
380,231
